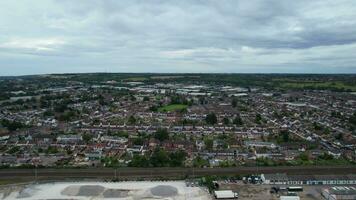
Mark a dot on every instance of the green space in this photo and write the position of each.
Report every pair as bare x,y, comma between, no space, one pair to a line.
172,107
136,79
319,85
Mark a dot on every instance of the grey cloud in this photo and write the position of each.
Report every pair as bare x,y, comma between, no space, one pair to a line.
161,35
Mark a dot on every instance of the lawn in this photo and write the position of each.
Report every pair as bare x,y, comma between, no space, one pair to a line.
172,107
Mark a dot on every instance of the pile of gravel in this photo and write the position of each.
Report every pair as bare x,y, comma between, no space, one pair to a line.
115,193
71,190
164,191
90,190
26,192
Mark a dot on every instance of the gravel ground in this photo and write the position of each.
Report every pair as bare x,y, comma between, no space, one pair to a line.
130,190
164,191
90,190
116,193
70,190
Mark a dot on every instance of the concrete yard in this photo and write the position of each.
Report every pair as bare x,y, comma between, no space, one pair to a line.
169,190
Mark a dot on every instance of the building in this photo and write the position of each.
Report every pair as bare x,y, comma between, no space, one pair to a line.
284,179
259,144
114,139
279,179
336,193
289,198
225,194
69,138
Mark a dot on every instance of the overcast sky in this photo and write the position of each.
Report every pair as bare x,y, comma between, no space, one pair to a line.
251,36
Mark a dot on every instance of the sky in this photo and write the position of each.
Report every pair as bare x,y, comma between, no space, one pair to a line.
177,36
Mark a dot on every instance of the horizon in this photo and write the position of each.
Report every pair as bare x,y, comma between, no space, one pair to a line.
284,37
188,73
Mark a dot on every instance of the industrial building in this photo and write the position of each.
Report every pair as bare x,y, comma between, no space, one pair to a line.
284,179
225,194
337,193
289,198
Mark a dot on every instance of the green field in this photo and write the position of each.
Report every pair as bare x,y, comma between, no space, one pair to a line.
136,79
318,85
172,107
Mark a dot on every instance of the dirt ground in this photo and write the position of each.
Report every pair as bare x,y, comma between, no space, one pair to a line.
261,192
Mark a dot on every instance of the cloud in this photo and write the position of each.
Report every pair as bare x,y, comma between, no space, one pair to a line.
178,36
35,44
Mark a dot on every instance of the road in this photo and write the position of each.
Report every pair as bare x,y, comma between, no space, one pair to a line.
153,173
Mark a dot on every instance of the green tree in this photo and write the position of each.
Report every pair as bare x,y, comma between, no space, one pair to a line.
139,161
200,162
87,137
132,120
211,119
234,102
159,158
285,135
177,158
226,121
258,118
12,125
208,143
161,134
237,121
304,156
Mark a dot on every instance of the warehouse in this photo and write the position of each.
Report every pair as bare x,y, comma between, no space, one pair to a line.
336,193
284,179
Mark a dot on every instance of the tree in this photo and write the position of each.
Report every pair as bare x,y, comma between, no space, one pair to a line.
139,161
159,158
132,120
258,118
12,125
153,108
138,141
317,127
87,137
234,102
208,143
161,134
238,121
211,119
177,158
285,136
200,162
60,107
226,121
304,156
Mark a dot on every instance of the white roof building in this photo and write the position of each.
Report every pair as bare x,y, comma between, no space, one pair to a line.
225,194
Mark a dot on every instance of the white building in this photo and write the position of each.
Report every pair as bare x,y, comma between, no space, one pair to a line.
336,193
225,194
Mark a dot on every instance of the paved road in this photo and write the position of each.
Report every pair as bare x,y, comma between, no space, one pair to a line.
109,173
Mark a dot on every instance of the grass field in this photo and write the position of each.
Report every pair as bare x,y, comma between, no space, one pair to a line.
136,79
316,85
172,107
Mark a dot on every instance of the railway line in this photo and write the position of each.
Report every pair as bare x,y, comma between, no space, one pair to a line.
153,173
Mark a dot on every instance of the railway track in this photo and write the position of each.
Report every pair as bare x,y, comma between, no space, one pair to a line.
148,173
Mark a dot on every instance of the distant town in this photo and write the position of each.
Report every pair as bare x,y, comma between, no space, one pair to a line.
178,136
203,121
